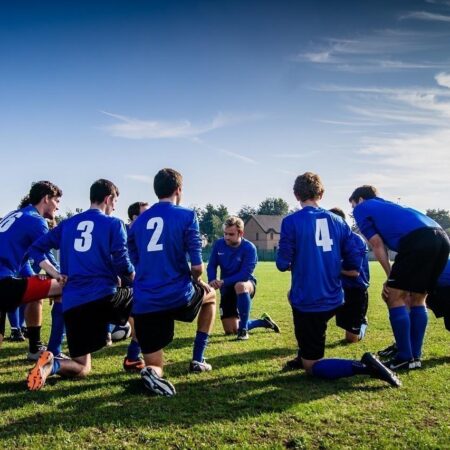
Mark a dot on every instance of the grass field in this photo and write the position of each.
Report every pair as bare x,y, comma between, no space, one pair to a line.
245,402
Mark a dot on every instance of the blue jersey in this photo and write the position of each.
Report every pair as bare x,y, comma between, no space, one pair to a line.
391,221
315,244
18,230
444,279
362,280
93,253
160,242
236,263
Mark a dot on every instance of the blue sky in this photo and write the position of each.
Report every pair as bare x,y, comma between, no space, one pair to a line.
240,96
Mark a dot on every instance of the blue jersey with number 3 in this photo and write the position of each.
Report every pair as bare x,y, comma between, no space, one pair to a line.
315,244
160,241
93,253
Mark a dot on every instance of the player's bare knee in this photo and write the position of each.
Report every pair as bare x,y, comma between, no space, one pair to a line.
241,288
351,338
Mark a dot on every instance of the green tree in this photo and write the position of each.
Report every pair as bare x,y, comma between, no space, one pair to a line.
441,216
211,221
246,212
273,207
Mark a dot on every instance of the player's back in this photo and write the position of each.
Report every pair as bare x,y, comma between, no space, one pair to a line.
314,242
159,242
18,230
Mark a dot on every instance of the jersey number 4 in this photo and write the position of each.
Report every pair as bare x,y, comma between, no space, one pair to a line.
323,235
84,242
157,224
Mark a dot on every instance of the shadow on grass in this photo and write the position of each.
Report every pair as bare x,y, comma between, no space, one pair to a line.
118,398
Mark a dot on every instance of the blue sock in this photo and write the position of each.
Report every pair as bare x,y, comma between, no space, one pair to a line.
200,343
57,331
56,366
22,315
110,327
401,327
257,323
13,318
332,369
418,316
243,305
133,350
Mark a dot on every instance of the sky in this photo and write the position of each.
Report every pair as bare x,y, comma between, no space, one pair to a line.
240,96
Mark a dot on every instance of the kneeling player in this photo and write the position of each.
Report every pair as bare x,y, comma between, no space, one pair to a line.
166,289
93,252
439,300
351,316
237,260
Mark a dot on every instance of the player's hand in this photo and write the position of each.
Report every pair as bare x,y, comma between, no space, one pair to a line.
216,284
54,300
62,279
385,292
204,285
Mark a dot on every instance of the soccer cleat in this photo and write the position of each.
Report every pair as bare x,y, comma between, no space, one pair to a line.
416,364
62,356
16,335
157,385
24,331
378,370
399,364
242,335
133,366
197,367
39,373
34,356
388,352
272,324
293,364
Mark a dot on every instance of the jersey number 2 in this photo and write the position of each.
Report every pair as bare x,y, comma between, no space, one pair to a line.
157,224
83,244
323,235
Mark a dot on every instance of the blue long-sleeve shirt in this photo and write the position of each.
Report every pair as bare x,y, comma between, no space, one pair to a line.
93,252
236,263
362,280
391,221
315,244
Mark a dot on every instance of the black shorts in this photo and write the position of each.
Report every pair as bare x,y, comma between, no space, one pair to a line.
310,331
228,301
352,314
2,322
155,330
439,302
422,256
11,293
87,325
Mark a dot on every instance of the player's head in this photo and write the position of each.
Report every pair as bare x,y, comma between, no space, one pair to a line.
308,187
233,230
168,183
45,196
136,209
104,192
362,193
338,211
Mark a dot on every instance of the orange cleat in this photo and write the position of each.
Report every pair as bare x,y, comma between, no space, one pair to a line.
39,373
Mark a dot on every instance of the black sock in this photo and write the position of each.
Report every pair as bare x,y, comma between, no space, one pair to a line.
34,335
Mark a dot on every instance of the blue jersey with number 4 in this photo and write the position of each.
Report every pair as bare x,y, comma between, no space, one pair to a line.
93,253
315,245
160,241
18,230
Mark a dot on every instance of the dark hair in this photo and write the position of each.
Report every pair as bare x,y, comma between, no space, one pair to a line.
308,186
338,211
166,182
38,191
135,209
365,192
101,189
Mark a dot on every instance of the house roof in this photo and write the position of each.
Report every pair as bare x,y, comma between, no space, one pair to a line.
268,223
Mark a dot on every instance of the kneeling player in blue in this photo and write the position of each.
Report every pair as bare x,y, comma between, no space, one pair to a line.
352,315
439,299
166,289
315,245
93,254
237,259
422,248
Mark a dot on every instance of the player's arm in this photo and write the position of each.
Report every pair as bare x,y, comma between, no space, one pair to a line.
211,269
119,253
286,246
380,252
249,260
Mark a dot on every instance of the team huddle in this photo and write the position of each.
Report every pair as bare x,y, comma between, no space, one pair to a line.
150,275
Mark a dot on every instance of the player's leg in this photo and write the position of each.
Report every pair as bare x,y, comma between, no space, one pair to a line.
57,331
132,361
14,318
228,310
351,316
33,320
244,302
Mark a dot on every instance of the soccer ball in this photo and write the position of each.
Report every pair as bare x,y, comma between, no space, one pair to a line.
121,332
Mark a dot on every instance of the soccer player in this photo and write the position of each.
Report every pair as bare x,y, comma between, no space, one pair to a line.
352,314
93,254
422,249
237,260
315,245
166,288
135,210
18,285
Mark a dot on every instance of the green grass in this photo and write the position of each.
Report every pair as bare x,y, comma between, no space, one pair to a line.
245,402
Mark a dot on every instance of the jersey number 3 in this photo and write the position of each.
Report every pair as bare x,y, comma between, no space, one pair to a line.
83,243
323,235
157,224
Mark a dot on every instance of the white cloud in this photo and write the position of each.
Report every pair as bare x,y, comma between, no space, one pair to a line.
133,128
295,155
443,79
424,15
140,178
238,156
